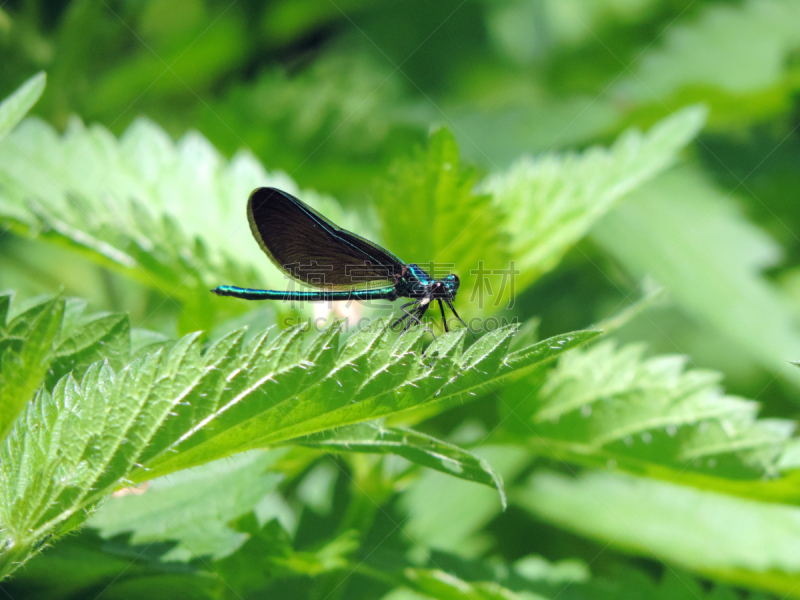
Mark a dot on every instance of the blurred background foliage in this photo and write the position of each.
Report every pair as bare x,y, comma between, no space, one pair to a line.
502,118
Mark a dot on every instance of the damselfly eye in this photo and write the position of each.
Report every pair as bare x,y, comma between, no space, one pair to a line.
453,281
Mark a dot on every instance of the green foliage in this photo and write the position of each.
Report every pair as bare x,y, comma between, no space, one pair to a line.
460,231
167,509
90,565
438,584
448,514
181,406
48,341
268,553
416,447
534,577
16,106
541,208
550,203
131,205
121,204
688,235
285,465
739,541
326,119
725,56
610,406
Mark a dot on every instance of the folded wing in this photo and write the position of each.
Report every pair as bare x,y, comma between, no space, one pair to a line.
314,251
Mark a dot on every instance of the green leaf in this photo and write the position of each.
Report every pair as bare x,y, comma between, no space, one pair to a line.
417,447
17,105
551,202
605,406
743,542
26,344
49,340
193,507
387,378
432,215
524,361
104,337
686,233
182,406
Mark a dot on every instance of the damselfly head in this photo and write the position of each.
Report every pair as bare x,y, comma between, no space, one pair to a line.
451,284
445,288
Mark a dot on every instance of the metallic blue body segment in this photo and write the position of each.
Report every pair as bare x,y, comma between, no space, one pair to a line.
414,282
385,293
419,274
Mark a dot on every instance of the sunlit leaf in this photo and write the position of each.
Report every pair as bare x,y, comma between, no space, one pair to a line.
550,202
184,405
417,447
610,407
432,216
48,340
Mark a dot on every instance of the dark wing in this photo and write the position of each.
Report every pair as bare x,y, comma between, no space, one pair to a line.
311,249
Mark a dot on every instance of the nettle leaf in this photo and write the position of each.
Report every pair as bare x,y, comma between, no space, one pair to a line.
48,340
728,539
373,438
432,215
550,202
25,345
192,507
183,406
324,387
609,406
